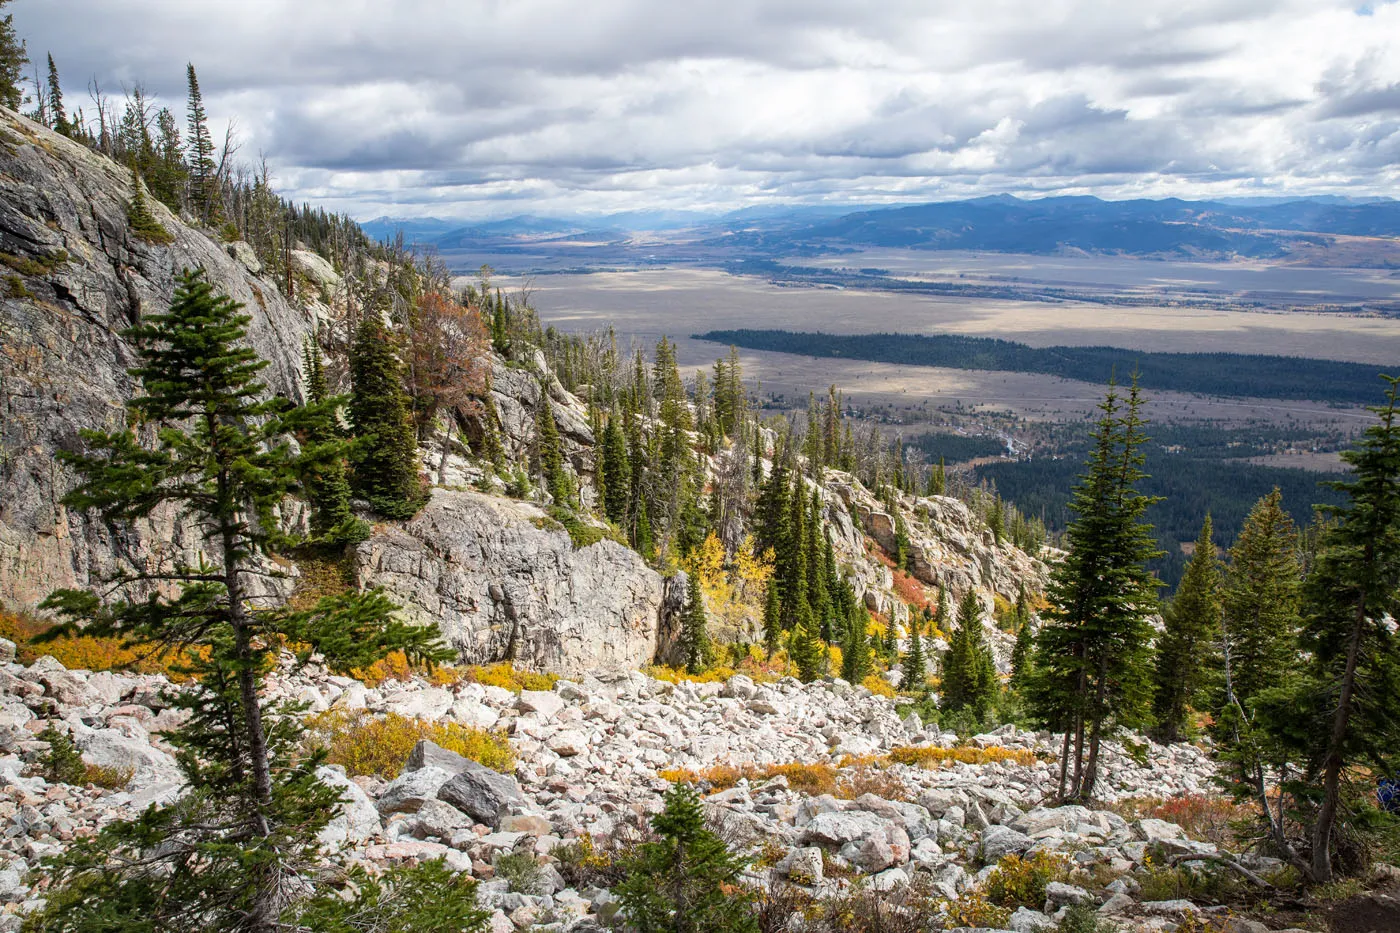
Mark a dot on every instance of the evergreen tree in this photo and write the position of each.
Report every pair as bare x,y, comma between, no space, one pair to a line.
138,214
687,880
326,479
969,671
386,464
240,845
855,649
699,652
914,666
58,117
555,475
617,469
901,540
807,651
1192,629
1350,692
204,186
13,59
772,617
891,642
61,764
1093,653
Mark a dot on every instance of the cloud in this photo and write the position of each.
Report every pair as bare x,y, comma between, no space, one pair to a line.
475,109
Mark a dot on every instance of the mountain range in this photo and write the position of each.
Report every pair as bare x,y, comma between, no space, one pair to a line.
1259,228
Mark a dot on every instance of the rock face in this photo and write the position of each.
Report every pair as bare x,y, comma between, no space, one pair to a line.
502,581
73,278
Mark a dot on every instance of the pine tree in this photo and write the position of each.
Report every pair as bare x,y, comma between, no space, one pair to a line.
204,191
61,764
914,666
13,59
138,214
901,554
1343,716
969,671
555,475
1093,653
772,617
229,853
855,649
891,642
687,880
1192,629
807,651
386,467
326,479
699,652
617,469
58,117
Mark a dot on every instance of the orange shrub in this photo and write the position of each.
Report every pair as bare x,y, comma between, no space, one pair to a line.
1205,817
967,754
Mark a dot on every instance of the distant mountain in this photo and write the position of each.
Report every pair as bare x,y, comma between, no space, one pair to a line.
1167,228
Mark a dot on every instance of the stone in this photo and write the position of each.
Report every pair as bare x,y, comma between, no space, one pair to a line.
568,743
358,819
1117,904
560,609
543,702
428,754
1151,831
411,789
1058,894
7,651
108,748
1025,920
439,818
1179,907
482,794
803,865
838,828
1001,841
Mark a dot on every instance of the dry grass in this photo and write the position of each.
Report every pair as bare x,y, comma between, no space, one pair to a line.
86,652
366,744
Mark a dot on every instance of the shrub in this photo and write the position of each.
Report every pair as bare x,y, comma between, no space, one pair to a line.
110,778
878,686
1081,918
973,909
584,863
35,638
365,744
1021,882
508,677
521,870
61,764
966,754
686,872
424,898
1206,817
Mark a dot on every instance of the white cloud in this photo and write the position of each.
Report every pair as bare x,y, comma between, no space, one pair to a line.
492,107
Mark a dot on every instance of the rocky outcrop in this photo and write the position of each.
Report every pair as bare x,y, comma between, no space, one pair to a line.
72,276
504,581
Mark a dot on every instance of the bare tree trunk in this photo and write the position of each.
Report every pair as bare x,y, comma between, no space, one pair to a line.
1332,764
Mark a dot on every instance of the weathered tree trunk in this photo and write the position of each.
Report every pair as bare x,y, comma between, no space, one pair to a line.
1332,763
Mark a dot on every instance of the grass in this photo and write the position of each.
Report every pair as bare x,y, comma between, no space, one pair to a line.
86,652
40,265
379,745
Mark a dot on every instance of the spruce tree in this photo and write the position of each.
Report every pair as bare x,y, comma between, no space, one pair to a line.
203,183
13,59
686,880
855,649
1093,653
58,117
386,464
969,671
807,651
61,764
326,481
618,470
1191,632
555,475
237,849
914,666
891,641
772,617
1350,693
138,214
695,639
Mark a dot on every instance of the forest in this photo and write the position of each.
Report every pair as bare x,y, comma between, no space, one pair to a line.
1218,374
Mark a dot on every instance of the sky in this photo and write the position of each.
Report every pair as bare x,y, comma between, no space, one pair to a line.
492,108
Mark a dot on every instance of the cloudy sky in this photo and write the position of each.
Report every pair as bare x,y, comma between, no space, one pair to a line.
499,107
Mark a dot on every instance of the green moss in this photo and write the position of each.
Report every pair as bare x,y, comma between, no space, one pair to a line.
43,264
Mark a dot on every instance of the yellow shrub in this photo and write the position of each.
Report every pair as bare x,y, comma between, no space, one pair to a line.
968,755
878,685
85,652
366,744
508,677
1021,882
110,778
393,666
972,909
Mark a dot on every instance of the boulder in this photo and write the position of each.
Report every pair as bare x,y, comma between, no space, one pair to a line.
482,794
1001,841
410,790
358,818
500,579
108,748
